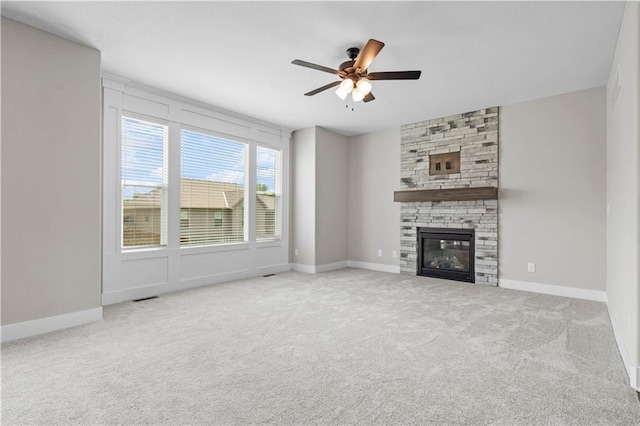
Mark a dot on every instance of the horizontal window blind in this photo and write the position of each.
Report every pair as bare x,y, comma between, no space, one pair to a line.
212,189
267,193
144,178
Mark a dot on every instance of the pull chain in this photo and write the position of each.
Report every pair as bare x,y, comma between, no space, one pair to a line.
346,104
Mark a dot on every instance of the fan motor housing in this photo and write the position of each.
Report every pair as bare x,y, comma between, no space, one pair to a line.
347,66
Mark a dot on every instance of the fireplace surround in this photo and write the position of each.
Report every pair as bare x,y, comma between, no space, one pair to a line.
449,198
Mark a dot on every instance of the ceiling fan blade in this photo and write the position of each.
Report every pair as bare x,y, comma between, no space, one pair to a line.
368,54
315,66
394,75
368,97
323,88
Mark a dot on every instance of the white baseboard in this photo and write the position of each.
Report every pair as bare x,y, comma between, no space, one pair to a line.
311,269
632,370
299,267
394,269
331,266
134,293
273,269
46,325
555,290
140,292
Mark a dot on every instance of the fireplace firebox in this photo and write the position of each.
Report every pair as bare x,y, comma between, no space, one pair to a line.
446,253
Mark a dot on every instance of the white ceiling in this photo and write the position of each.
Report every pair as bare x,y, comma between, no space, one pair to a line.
237,55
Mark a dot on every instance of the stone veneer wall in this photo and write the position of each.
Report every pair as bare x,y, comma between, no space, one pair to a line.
475,135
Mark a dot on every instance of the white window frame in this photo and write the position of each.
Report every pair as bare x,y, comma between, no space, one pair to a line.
247,151
131,273
164,221
278,194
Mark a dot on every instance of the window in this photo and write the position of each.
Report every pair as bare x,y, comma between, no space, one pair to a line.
217,218
267,193
212,179
144,183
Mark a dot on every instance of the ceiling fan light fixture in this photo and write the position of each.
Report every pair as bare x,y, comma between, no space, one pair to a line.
363,87
345,88
354,75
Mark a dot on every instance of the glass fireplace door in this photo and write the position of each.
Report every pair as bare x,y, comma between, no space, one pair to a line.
446,253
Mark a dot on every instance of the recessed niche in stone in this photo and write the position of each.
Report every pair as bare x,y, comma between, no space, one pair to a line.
443,164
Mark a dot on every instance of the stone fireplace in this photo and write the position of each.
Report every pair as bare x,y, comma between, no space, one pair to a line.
449,180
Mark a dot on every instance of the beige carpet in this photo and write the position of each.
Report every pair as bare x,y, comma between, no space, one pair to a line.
343,347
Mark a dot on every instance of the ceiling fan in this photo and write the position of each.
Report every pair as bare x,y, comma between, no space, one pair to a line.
355,75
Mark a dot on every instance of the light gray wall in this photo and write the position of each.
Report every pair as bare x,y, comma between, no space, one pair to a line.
331,197
50,175
623,188
319,212
303,196
374,218
552,180
552,190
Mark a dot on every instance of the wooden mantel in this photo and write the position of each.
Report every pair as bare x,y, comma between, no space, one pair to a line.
454,194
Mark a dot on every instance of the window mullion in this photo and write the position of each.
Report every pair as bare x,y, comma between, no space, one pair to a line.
173,179
250,202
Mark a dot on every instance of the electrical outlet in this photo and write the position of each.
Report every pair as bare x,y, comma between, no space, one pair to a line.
296,252
531,267
394,254
379,252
